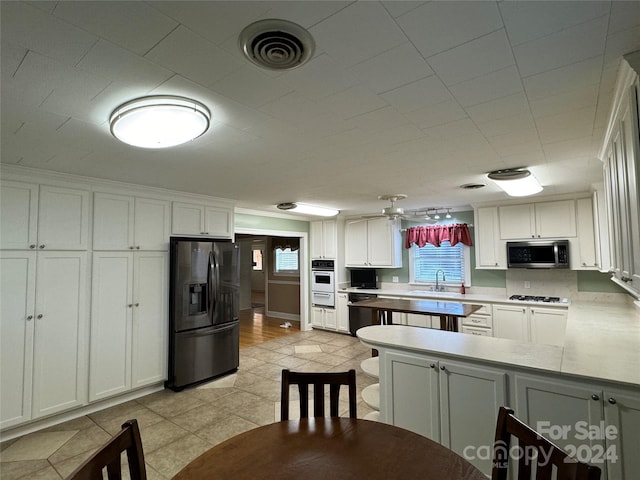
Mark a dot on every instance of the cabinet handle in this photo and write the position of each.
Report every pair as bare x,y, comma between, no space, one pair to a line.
131,247
442,367
42,246
595,397
29,317
611,400
138,247
130,305
496,264
40,316
584,264
433,365
137,304
524,311
32,246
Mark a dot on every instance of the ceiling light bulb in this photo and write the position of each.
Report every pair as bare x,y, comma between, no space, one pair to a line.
448,215
159,121
436,216
516,182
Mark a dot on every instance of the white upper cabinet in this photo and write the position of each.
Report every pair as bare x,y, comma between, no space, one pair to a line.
45,217
323,239
122,222
538,220
586,235
196,219
490,250
373,243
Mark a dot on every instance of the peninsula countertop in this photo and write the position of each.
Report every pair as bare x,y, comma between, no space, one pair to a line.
602,343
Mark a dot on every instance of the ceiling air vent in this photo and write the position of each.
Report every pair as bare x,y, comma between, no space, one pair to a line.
276,44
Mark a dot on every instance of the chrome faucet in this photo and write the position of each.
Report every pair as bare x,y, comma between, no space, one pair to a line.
438,287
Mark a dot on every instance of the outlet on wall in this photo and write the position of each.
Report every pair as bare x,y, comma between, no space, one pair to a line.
394,279
527,284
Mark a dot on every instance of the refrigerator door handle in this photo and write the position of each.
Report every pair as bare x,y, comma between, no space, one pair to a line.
210,280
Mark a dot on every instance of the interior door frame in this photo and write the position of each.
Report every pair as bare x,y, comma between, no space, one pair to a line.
305,324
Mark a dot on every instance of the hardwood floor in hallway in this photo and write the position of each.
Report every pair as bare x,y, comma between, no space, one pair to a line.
256,327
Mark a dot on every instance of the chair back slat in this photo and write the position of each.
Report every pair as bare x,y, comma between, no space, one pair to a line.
539,458
319,380
109,455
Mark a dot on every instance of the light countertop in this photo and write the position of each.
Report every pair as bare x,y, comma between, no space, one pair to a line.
602,343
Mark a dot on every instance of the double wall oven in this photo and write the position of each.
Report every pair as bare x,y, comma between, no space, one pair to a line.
322,283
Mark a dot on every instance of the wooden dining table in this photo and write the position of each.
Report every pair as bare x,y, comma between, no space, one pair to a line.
329,449
449,312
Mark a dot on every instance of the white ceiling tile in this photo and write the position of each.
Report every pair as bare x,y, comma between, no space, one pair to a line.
377,120
320,78
205,63
439,26
34,29
399,7
418,94
251,88
566,126
483,55
624,15
293,108
306,13
455,129
353,102
358,32
133,25
396,67
45,5
526,21
566,47
488,87
499,108
12,56
621,43
512,143
563,150
436,114
565,79
565,102
507,125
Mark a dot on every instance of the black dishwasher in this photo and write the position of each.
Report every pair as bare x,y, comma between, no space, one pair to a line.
358,316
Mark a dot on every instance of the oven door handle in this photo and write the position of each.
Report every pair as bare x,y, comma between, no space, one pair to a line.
319,294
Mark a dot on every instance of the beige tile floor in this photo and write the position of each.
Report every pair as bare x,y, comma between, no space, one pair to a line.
177,427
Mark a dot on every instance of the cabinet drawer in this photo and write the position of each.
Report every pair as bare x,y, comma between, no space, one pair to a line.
480,331
485,310
476,320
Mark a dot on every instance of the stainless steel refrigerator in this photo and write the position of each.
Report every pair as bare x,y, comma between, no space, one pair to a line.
204,334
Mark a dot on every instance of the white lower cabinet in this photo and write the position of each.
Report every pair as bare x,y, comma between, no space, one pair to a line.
128,322
342,312
598,424
324,317
431,396
44,315
530,324
510,321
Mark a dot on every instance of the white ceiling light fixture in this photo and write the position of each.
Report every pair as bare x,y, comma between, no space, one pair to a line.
308,209
159,121
448,215
516,182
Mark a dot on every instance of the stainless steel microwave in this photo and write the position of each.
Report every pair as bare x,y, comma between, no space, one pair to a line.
551,254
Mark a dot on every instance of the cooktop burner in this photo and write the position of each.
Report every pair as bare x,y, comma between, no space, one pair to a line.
532,298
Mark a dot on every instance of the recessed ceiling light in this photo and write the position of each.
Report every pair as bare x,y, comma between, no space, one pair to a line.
159,121
516,182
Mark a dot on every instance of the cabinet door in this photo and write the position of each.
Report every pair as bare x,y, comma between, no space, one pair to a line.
464,423
356,243
113,222
490,251
63,219
317,316
17,288
622,417
409,393
316,241
330,318
383,247
187,219
510,322
59,370
150,320
219,222
586,234
330,239
556,219
517,221
342,311
151,225
547,325
18,215
111,314
556,407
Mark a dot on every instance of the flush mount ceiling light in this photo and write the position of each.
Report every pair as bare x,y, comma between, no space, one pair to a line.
516,182
276,44
308,209
159,121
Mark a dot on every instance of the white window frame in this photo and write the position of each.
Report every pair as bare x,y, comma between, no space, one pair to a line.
285,273
466,253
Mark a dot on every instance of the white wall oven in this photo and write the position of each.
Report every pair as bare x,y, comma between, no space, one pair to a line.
322,283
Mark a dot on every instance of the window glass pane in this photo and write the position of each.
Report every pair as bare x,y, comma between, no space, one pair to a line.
429,259
286,261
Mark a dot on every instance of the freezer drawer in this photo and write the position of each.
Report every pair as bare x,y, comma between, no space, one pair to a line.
203,354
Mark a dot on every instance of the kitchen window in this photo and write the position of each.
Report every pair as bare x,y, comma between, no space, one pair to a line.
426,261
286,262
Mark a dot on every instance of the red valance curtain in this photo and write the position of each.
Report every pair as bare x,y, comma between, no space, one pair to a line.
436,234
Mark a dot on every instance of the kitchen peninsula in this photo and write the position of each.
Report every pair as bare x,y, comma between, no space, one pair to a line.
448,387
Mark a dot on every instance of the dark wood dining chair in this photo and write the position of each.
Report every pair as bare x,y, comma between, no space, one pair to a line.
110,454
303,379
531,447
